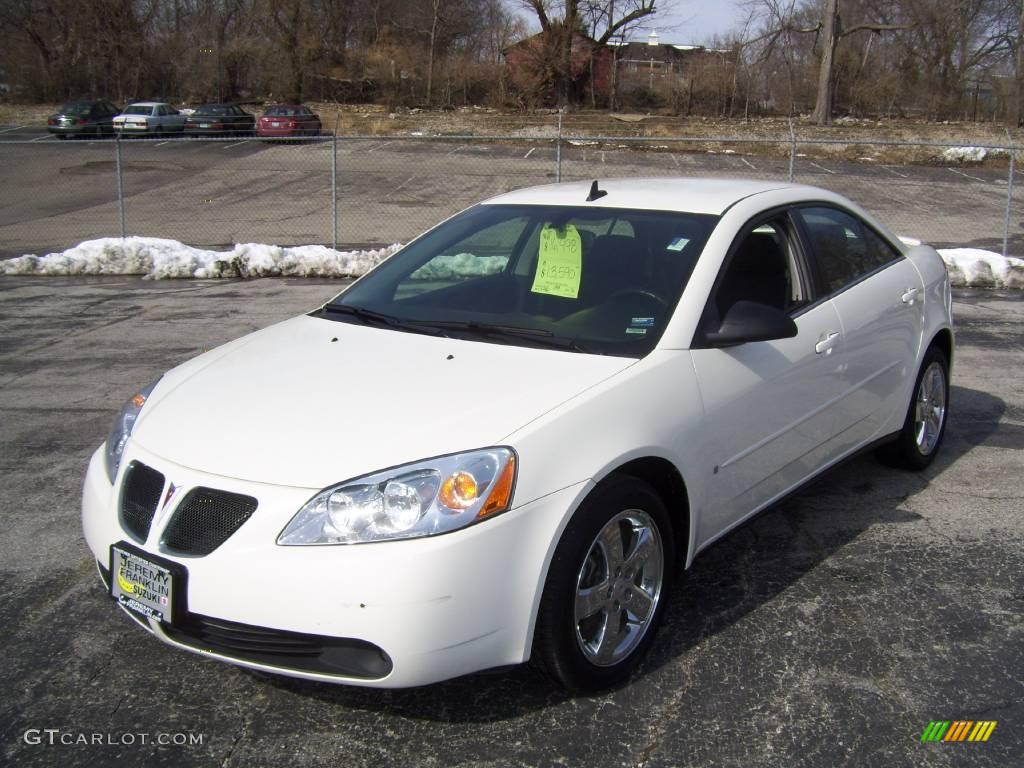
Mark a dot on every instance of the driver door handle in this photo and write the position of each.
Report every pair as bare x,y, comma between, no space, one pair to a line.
909,296
825,343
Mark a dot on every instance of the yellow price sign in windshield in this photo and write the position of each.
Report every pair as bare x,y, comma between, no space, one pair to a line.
559,262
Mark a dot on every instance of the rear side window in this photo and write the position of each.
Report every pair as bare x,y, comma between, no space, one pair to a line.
845,248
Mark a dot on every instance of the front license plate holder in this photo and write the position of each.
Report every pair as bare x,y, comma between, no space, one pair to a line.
149,586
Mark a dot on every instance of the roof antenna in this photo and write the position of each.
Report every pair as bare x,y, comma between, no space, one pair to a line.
595,193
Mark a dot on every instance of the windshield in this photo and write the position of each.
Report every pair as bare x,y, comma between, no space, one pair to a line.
599,280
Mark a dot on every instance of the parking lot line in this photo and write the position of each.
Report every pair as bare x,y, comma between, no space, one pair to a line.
379,146
161,143
232,144
674,159
896,173
15,128
748,163
826,170
41,138
966,175
534,149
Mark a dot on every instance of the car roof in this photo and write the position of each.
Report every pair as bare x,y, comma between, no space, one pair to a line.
148,104
688,195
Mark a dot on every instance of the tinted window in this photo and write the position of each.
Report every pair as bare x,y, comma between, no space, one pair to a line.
137,109
210,109
76,108
844,247
606,279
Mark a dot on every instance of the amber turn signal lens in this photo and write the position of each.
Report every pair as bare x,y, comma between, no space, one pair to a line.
501,494
139,400
459,491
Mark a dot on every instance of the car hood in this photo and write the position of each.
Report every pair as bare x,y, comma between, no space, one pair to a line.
311,402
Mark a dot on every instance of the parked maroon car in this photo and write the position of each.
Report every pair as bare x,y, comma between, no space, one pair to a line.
285,121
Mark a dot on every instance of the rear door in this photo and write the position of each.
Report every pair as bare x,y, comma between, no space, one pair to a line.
879,296
769,405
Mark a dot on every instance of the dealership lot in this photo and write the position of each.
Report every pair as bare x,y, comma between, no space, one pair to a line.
830,631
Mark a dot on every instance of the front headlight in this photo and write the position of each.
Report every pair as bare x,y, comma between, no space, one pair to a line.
122,429
422,499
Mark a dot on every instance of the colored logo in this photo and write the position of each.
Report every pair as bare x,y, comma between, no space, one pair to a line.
958,730
126,586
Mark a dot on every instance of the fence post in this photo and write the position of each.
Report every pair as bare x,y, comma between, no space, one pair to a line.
1009,205
558,150
120,185
792,152
334,184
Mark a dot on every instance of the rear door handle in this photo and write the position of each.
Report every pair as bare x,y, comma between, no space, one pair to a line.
909,296
825,343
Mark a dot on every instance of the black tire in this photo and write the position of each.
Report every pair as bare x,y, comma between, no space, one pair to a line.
911,449
559,639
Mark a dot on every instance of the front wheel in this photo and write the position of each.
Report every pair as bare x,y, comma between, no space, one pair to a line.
606,588
925,424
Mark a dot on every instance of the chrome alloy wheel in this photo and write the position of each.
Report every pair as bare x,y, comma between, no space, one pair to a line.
930,409
618,588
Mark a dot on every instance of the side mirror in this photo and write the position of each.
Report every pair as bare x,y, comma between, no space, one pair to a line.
748,321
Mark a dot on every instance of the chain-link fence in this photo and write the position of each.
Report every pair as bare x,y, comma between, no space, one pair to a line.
348,191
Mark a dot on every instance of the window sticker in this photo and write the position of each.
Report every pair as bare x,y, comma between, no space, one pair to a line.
677,244
643,322
636,331
559,262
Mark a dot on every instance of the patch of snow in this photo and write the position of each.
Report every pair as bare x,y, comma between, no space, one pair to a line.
975,268
460,265
965,154
156,258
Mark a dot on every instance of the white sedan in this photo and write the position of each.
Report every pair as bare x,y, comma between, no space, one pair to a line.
503,442
154,118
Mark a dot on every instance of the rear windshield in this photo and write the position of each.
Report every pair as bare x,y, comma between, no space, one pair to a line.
137,109
283,111
212,109
76,108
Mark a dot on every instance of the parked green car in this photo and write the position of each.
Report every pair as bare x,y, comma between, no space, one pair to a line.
83,118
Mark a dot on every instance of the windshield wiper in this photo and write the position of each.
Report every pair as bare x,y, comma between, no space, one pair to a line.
539,336
369,317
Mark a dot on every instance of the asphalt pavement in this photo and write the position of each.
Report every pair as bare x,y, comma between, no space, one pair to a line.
373,191
828,632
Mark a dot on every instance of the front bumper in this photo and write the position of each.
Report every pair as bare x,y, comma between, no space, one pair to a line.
434,608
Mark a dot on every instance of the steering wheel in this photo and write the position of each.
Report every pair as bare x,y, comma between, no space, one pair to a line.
624,292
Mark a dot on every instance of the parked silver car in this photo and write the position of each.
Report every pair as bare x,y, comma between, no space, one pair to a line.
152,118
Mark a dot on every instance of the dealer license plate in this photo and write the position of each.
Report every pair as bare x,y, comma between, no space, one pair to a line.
204,125
141,585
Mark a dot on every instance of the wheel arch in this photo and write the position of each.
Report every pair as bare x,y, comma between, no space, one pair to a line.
943,339
667,481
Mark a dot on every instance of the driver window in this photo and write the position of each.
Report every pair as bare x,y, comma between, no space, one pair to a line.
763,269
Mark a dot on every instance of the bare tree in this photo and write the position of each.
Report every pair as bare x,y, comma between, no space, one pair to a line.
563,28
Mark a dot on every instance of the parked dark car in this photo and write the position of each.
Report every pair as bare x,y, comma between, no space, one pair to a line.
285,121
220,120
83,118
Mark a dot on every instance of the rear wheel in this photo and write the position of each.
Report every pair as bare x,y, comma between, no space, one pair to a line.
606,588
925,424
